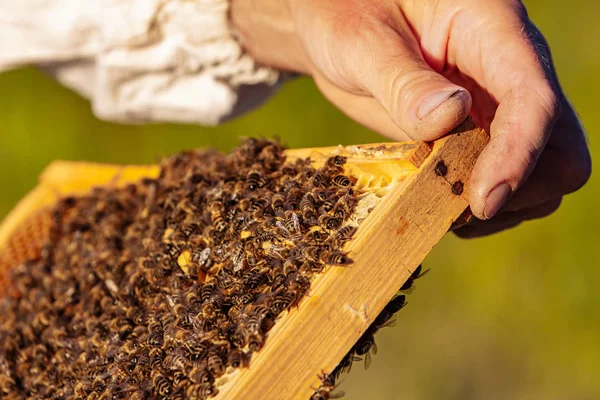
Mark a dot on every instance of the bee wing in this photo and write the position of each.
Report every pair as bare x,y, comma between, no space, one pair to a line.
422,274
296,223
367,360
337,395
283,229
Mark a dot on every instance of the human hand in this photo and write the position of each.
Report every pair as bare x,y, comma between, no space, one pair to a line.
412,70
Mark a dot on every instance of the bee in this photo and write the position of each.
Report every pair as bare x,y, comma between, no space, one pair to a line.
255,180
157,356
345,233
365,345
201,257
290,228
237,255
324,392
215,364
201,375
396,304
260,204
319,179
255,341
336,161
383,319
341,181
217,220
346,364
338,258
330,222
201,391
236,358
161,384
277,204
189,229
408,287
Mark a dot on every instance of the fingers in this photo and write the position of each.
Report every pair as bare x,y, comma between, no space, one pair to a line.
528,108
421,102
471,232
507,220
363,109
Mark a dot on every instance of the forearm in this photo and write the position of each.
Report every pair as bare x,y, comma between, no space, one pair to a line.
269,34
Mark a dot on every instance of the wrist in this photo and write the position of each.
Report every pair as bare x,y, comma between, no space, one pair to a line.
268,33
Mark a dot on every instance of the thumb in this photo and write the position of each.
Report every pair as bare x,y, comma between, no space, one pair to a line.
423,103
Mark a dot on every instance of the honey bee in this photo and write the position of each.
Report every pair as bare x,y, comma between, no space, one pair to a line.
201,375
215,364
336,161
201,391
201,257
277,204
396,304
329,222
341,180
255,180
255,341
324,392
319,179
237,255
346,364
408,287
217,220
236,359
157,356
161,384
345,233
365,345
338,258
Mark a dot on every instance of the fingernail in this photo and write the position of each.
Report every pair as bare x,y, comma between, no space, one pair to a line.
435,100
496,199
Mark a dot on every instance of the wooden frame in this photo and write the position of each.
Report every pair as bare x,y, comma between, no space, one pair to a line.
423,189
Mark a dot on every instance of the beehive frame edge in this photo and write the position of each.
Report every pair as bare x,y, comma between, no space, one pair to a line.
391,242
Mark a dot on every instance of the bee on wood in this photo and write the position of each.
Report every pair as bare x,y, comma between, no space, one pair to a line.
408,286
346,364
345,233
215,364
366,345
338,258
324,392
236,359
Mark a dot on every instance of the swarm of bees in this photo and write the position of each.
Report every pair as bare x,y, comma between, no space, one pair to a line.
161,288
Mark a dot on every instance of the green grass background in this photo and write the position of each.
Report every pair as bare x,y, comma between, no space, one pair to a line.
512,316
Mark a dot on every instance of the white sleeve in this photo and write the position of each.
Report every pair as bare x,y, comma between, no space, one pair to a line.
139,60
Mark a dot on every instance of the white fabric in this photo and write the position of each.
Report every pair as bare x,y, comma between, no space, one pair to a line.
139,60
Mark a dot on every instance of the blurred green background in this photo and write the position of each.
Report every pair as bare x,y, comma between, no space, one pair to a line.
512,316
